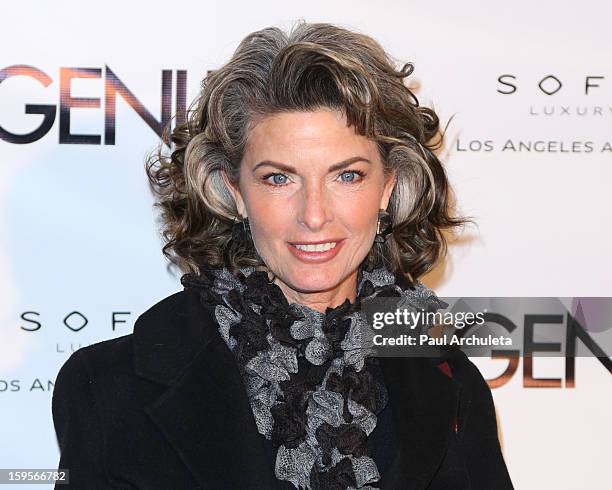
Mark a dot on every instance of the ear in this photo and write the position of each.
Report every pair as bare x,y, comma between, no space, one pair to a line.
236,194
388,190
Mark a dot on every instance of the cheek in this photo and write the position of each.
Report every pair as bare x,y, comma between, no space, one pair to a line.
359,215
363,224
272,220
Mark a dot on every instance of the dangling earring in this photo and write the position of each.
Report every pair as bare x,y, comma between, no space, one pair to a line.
241,230
383,227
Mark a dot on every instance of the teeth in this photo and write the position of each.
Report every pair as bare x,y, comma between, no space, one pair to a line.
319,247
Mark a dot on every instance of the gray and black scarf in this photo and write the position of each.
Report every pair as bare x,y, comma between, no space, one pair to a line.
307,374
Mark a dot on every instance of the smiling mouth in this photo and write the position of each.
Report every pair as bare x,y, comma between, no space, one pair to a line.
315,247
316,253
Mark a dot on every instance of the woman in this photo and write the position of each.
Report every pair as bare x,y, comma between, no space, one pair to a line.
301,184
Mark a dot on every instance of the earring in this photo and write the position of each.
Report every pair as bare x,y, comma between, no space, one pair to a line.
383,227
241,230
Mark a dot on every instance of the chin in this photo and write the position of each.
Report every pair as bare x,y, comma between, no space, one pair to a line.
311,278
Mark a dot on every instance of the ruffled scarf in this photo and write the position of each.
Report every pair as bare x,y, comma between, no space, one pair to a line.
307,374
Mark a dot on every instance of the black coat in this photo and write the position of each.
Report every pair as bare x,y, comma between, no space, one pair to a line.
165,408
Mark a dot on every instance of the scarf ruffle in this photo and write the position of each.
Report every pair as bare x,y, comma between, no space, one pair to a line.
307,374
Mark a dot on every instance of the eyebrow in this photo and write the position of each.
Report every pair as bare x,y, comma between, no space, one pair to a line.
333,168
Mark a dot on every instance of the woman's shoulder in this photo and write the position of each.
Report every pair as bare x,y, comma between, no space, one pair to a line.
90,362
167,325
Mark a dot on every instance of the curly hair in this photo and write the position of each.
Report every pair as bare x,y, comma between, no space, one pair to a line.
314,66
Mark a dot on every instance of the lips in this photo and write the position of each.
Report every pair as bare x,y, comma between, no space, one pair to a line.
319,247
328,240
316,257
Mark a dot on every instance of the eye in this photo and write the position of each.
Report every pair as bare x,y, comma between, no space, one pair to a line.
277,179
351,174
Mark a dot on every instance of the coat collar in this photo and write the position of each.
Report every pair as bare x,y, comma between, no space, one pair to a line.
205,414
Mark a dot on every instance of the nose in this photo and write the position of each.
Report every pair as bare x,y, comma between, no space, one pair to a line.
315,207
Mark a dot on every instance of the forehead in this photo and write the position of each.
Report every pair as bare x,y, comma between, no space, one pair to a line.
303,134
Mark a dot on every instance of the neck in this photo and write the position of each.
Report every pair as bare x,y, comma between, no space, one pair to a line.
323,299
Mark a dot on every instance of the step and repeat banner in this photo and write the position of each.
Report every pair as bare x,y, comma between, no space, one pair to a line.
526,89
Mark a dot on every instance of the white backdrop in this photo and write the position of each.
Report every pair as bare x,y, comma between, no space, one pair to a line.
78,239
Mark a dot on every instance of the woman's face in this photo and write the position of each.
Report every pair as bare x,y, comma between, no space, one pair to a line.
306,177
